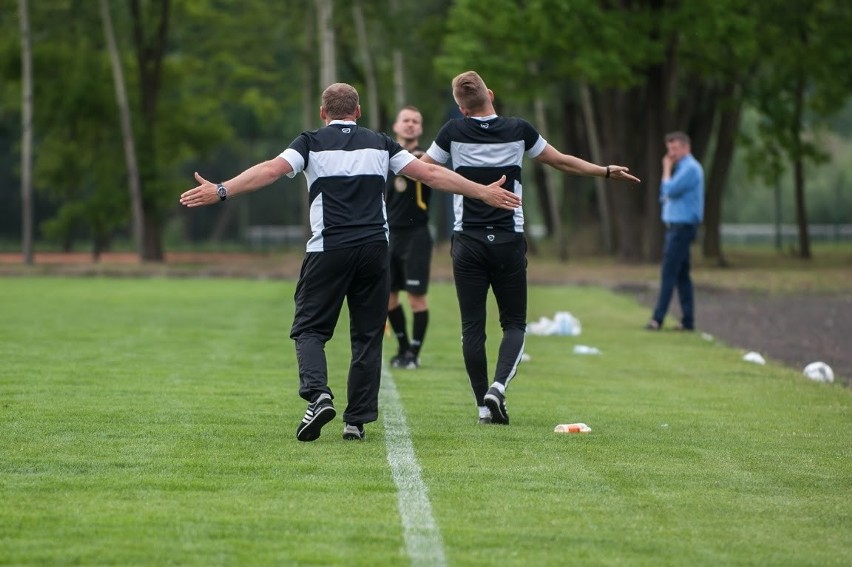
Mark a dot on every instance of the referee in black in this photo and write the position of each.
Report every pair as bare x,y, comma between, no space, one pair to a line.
410,246
488,245
346,167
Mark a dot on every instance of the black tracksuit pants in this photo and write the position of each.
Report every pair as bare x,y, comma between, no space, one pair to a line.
483,260
360,275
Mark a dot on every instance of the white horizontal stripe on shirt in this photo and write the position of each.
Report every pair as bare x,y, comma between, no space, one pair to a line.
347,163
487,155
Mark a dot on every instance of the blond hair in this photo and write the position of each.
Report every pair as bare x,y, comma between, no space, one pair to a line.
469,91
339,101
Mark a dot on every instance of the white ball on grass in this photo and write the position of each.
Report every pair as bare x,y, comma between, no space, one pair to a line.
819,372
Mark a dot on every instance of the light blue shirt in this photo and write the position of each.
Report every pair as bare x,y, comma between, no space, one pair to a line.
682,196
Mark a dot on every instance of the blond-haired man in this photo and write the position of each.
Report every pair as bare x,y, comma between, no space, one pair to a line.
488,245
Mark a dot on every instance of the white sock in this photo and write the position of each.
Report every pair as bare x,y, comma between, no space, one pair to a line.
500,387
484,411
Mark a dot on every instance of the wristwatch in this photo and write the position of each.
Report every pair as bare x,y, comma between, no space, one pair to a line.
223,193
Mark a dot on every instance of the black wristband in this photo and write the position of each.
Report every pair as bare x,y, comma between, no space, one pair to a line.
607,172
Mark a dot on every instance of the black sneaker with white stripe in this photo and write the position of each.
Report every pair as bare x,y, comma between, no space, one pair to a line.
317,415
354,432
495,401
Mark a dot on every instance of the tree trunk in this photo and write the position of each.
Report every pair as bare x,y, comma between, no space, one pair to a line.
799,171
149,57
153,238
224,218
325,26
545,181
26,134
700,123
615,117
729,124
657,123
597,157
133,181
399,96
367,60
309,109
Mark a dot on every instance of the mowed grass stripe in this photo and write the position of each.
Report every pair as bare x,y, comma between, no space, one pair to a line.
422,535
152,422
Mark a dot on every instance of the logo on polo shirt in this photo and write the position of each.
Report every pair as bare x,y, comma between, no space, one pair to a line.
483,125
346,130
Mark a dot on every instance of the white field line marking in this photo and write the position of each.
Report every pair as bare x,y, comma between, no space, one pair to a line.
423,541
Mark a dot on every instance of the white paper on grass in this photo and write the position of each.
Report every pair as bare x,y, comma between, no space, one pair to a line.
754,357
584,349
563,323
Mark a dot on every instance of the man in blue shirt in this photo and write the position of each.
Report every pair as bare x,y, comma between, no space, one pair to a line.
682,199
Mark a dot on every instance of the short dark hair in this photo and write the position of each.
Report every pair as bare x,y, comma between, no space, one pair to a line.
339,100
678,136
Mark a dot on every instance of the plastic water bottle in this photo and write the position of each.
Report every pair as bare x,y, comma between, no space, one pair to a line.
572,428
584,349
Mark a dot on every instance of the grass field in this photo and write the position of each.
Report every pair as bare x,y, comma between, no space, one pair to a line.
152,421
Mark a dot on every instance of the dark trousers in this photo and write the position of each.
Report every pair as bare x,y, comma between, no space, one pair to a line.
501,265
675,274
360,275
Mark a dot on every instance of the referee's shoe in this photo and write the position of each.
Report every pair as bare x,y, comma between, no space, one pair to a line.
318,414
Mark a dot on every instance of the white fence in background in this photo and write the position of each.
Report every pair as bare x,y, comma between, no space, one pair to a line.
264,236
768,233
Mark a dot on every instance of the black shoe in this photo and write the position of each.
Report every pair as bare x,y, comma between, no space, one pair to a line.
409,361
496,403
354,432
318,414
396,361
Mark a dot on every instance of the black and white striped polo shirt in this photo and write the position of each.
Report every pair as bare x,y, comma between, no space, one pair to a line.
346,167
482,149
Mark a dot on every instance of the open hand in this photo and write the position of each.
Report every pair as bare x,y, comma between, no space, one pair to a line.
622,173
204,194
500,198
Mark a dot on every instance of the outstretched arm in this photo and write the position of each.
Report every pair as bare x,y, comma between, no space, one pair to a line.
253,178
576,166
443,179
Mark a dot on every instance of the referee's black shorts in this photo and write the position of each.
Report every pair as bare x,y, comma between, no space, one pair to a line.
410,259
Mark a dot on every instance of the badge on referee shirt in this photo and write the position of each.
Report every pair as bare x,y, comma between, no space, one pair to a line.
400,183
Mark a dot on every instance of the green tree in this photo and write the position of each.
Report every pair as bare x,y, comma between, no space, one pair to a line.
76,166
801,82
651,67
